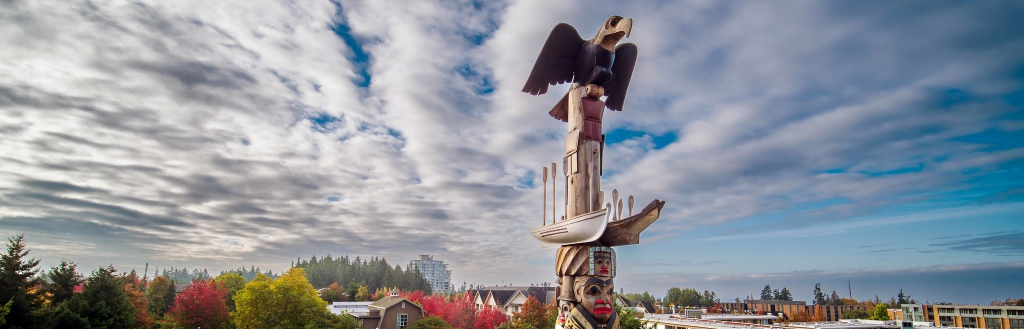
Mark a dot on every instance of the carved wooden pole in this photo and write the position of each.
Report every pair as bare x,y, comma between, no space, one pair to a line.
554,204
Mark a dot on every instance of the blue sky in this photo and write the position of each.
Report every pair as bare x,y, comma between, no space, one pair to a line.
794,142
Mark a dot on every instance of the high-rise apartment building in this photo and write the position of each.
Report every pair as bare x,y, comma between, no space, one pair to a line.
436,272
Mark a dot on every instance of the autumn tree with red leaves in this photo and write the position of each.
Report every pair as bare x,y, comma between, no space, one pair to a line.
489,318
458,310
414,296
201,305
333,293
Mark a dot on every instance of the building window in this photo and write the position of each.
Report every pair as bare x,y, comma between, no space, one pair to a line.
993,323
946,321
1015,312
991,312
968,311
1016,323
403,321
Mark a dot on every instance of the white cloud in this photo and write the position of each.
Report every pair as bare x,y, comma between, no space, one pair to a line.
183,132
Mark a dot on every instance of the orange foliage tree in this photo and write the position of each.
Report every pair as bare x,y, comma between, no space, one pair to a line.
533,314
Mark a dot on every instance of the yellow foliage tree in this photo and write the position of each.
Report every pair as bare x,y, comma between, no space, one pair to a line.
288,302
363,294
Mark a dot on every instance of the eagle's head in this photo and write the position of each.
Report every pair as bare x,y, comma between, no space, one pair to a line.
612,31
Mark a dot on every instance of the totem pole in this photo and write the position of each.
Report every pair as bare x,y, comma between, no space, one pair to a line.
585,261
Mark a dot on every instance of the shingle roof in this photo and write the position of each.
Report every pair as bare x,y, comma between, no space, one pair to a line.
501,296
389,301
540,293
647,306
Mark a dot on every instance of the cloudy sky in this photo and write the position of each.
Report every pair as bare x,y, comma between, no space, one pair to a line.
794,142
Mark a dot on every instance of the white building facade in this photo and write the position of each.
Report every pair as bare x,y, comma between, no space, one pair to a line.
436,272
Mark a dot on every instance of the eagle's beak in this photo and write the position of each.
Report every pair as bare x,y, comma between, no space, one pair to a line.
625,25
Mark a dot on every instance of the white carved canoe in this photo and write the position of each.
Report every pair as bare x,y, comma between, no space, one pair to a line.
580,229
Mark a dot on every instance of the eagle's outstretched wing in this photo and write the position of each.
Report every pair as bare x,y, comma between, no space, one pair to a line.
622,71
556,61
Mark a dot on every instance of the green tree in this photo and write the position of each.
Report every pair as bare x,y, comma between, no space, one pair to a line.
785,294
430,322
903,299
63,280
103,303
4,310
233,282
363,294
17,274
646,297
159,296
880,313
682,297
819,297
628,318
834,299
333,321
708,299
288,302
766,293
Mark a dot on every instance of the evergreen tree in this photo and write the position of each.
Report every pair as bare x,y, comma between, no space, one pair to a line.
63,280
903,299
103,303
766,293
17,274
819,297
785,294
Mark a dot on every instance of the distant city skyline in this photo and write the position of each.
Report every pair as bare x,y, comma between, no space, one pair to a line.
793,142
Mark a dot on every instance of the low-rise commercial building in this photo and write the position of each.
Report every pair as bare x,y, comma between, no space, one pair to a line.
965,316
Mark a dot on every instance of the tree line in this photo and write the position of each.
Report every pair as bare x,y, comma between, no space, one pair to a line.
374,274
245,298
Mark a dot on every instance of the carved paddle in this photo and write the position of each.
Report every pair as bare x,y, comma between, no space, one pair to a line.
631,205
544,177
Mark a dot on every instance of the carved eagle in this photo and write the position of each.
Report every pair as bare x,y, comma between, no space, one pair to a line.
566,57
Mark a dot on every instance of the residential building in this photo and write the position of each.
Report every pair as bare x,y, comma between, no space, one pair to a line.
965,316
436,272
390,312
510,299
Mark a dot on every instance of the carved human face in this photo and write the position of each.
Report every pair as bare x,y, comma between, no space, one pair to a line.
603,263
595,295
564,307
